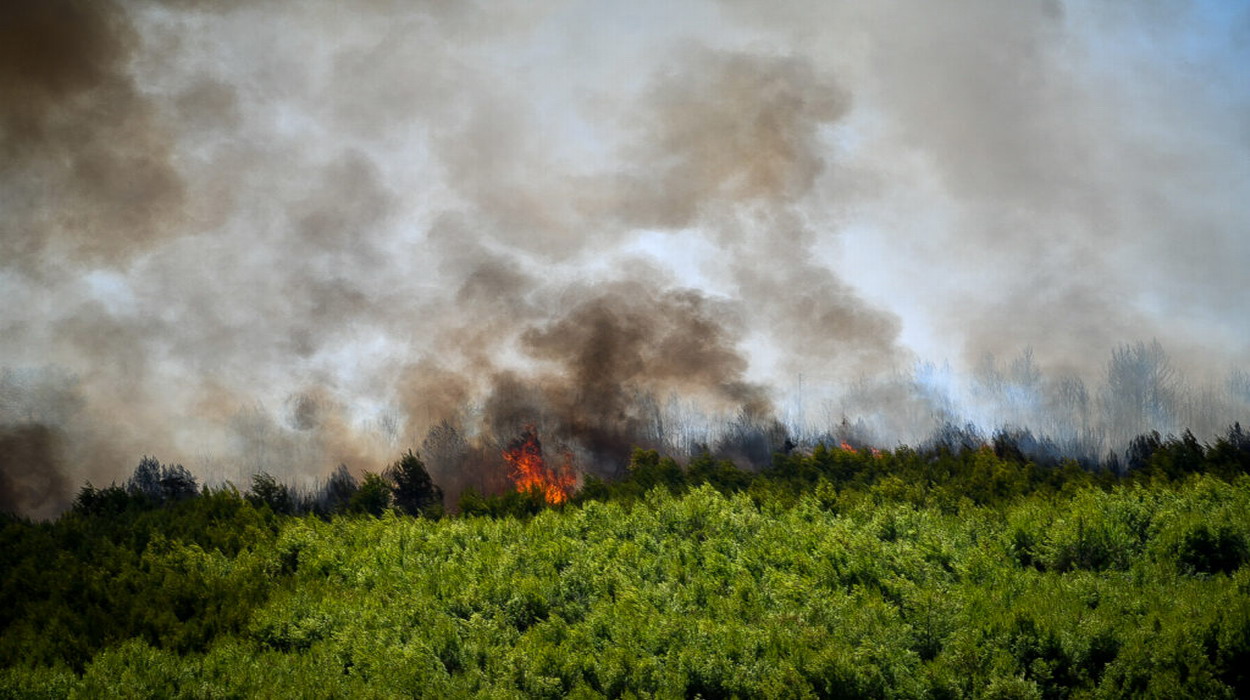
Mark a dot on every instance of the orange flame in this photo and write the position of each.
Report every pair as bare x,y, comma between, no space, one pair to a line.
529,469
847,447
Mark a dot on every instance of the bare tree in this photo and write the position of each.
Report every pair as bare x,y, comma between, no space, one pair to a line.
1141,390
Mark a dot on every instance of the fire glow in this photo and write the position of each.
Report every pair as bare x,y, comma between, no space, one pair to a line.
530,470
847,447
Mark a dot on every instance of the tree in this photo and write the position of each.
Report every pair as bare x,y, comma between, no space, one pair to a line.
158,483
1230,455
336,494
648,470
1141,450
177,483
109,501
1141,389
415,493
373,496
146,480
269,491
722,474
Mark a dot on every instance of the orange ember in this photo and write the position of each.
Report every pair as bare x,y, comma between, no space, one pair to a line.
529,469
846,447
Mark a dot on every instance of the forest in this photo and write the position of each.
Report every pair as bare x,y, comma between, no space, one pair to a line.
700,349
962,568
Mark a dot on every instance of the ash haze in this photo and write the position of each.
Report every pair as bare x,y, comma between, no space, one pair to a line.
282,236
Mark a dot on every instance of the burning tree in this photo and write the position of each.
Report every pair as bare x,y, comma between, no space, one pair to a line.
530,471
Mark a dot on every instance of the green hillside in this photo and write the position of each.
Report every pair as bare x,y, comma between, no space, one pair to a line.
875,588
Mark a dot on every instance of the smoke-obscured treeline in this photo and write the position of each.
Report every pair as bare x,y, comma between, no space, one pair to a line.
598,412
958,464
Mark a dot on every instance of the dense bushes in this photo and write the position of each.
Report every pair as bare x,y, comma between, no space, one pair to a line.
1140,589
837,572
177,577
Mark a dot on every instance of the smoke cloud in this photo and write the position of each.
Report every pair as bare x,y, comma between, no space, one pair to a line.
285,236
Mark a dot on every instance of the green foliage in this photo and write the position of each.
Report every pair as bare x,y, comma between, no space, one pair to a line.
335,496
721,474
1207,548
177,576
952,573
110,501
647,469
415,493
268,491
373,497
509,504
1230,455
161,483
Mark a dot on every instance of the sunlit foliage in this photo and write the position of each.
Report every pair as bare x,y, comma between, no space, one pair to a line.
837,572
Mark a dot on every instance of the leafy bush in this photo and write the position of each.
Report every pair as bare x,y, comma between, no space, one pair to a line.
837,573
415,493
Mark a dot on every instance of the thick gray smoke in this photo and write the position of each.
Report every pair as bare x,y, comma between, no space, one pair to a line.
283,236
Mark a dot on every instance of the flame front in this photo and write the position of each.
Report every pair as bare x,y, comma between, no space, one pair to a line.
848,447
530,470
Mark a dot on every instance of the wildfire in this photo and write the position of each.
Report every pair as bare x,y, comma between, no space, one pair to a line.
530,470
846,447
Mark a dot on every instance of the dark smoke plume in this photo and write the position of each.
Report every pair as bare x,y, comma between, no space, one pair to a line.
31,478
86,172
729,224
615,352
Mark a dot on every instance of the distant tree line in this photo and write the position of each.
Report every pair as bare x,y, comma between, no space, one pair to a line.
957,462
404,486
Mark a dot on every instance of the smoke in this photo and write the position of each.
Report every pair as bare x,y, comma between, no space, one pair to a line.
87,174
41,446
627,343
668,225
31,477
732,144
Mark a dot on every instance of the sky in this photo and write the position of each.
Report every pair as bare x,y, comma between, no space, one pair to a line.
286,235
